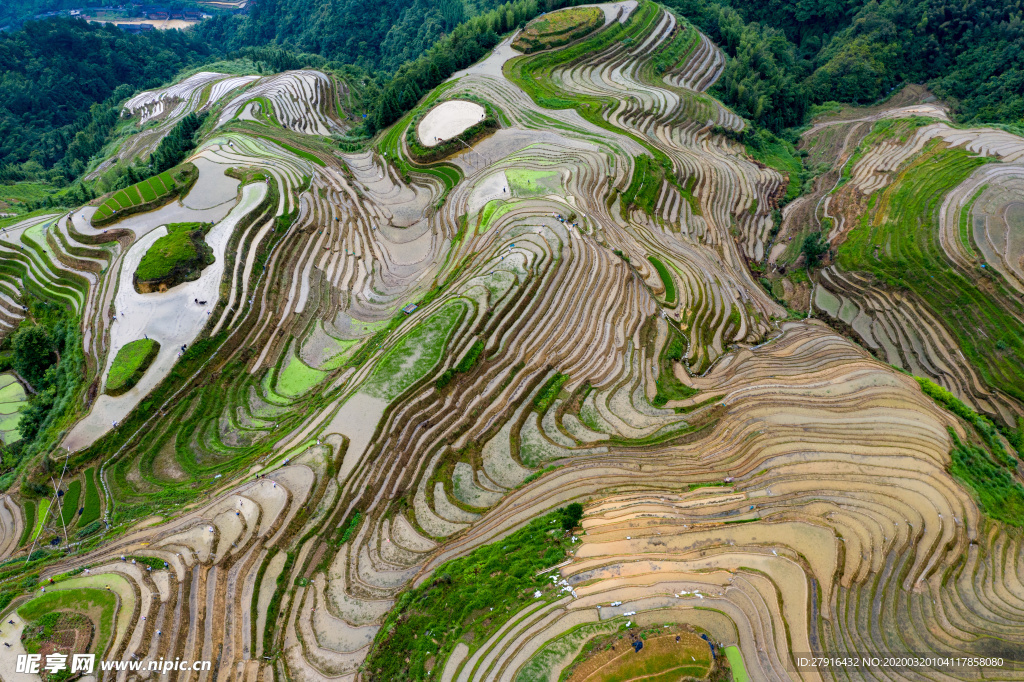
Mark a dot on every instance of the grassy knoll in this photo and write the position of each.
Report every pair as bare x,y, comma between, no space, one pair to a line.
666,279
417,353
130,363
898,243
558,28
739,670
146,195
98,605
69,503
468,599
91,503
57,631
179,256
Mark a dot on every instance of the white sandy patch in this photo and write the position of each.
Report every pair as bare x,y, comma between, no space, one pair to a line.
447,120
9,655
492,187
158,24
611,10
493,63
172,318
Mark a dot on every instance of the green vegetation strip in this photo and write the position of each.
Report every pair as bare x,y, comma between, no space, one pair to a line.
91,505
666,279
966,223
549,392
41,518
416,354
739,670
30,521
988,471
467,363
470,598
669,387
69,502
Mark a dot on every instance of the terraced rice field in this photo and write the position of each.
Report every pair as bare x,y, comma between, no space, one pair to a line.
150,191
558,28
12,401
391,369
918,253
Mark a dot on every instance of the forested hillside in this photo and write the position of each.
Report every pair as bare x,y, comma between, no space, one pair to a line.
373,35
61,83
62,80
13,11
789,53
411,406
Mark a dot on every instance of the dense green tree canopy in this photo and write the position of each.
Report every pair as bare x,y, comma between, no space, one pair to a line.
373,35
791,52
34,353
62,81
59,86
